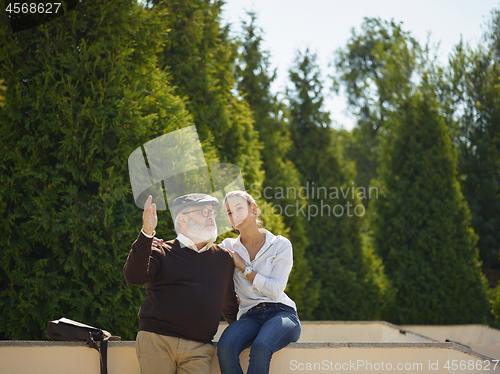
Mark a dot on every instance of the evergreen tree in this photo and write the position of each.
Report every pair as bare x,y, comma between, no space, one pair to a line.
474,98
376,68
84,91
421,222
271,122
353,285
471,94
3,88
200,56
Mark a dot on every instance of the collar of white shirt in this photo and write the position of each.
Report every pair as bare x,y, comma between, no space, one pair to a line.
186,242
270,238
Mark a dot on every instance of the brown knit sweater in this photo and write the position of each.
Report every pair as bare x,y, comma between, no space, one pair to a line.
187,291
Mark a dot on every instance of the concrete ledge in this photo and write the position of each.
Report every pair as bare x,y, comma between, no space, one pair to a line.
480,338
42,357
351,331
131,344
324,346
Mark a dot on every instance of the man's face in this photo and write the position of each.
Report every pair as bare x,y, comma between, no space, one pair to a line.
201,229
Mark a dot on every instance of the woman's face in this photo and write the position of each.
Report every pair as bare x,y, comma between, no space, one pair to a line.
238,211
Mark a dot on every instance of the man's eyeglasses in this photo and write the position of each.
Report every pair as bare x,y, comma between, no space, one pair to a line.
205,212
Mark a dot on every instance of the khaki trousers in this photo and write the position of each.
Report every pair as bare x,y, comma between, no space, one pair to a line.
161,354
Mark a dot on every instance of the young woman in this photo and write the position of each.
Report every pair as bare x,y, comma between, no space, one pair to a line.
267,318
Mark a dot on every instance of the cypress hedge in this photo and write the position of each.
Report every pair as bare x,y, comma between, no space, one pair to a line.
421,222
84,91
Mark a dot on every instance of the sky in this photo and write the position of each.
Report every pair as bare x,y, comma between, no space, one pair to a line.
323,26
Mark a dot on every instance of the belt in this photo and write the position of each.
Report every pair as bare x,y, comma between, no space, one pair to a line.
266,305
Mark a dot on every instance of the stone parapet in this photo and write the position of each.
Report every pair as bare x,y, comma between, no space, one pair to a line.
43,357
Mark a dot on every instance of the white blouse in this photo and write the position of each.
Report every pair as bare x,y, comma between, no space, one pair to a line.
272,264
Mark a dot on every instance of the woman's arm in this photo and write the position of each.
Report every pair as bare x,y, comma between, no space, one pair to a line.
274,285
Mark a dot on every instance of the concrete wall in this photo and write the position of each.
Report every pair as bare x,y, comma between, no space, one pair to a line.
328,331
76,358
361,347
482,339
467,334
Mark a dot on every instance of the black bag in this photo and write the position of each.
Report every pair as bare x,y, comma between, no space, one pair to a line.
68,330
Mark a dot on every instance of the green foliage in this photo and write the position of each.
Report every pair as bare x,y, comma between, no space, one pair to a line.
271,122
494,296
421,222
84,92
376,68
87,89
200,56
3,88
353,285
473,95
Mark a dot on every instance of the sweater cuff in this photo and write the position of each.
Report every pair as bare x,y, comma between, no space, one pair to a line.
148,236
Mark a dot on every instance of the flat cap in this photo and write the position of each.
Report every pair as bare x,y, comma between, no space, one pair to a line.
192,199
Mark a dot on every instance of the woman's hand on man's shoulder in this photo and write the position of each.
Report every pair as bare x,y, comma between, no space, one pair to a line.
227,243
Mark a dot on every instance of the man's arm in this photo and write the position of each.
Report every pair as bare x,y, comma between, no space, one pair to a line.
141,266
230,304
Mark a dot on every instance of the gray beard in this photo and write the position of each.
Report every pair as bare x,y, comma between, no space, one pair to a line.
200,234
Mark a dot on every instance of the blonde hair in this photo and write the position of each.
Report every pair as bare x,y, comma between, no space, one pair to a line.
249,199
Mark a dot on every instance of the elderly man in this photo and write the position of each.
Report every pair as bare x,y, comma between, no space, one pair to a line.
189,281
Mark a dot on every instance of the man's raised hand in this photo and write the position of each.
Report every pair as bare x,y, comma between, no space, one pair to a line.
149,217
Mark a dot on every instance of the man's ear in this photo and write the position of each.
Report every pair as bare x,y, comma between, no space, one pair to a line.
183,220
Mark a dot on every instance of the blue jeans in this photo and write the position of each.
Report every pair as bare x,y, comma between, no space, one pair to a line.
267,330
